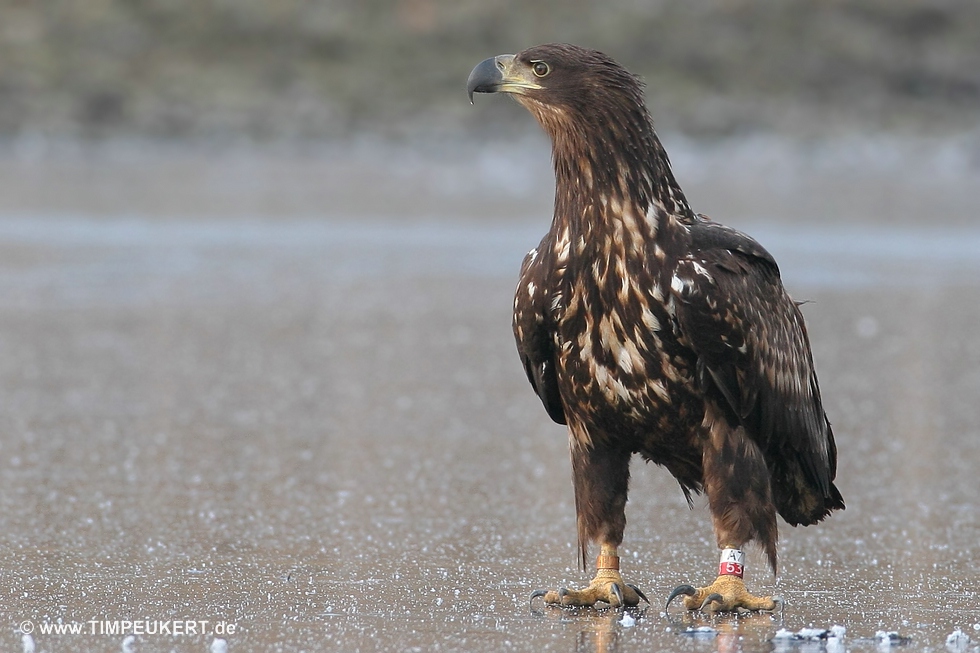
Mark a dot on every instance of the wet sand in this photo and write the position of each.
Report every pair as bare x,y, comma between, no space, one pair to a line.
317,430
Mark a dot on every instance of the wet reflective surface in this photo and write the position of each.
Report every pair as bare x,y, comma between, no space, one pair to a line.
318,432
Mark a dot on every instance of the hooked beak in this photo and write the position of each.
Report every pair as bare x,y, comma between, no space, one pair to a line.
500,74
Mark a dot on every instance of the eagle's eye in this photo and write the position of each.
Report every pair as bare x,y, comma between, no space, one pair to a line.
540,68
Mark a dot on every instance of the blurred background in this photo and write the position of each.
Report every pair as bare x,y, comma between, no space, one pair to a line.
256,271
269,70
274,92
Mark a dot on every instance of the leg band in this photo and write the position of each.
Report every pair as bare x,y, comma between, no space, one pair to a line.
607,562
732,563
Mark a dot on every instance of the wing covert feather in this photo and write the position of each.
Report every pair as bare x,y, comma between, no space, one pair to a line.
752,346
535,341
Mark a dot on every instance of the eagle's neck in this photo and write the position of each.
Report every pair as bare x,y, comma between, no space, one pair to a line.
612,173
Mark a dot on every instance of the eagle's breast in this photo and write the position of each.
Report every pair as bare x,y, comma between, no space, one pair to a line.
618,355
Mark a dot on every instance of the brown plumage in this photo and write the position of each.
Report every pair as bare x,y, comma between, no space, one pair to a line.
649,329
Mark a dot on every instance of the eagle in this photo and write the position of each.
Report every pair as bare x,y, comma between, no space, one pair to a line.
649,329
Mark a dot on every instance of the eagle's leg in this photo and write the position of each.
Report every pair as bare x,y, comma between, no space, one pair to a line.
608,586
727,593
736,480
601,478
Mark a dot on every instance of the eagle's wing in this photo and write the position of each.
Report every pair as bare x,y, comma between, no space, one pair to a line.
535,340
752,346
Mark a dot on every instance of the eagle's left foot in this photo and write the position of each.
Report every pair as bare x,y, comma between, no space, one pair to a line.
726,594
607,586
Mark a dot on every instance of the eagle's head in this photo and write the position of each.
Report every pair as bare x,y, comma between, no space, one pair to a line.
563,83
602,136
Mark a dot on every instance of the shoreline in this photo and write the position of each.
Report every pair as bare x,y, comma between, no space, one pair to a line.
876,178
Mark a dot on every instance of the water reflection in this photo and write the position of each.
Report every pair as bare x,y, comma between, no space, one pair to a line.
599,634
596,631
612,631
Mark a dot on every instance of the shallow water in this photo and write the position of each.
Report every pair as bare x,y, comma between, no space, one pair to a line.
318,432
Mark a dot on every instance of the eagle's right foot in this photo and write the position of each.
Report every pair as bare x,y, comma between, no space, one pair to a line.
603,588
608,586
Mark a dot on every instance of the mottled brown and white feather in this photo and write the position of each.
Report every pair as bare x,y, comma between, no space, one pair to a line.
651,330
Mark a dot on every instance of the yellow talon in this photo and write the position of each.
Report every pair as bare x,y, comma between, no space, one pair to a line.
726,594
607,587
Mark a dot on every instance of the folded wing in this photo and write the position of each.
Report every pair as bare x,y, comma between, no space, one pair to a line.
754,357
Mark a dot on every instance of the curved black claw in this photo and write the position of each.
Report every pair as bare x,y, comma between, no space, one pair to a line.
639,592
616,591
535,594
686,590
714,596
781,602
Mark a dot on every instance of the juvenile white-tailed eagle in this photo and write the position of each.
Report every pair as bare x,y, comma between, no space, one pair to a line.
650,329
